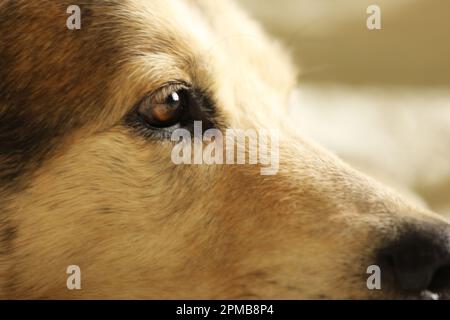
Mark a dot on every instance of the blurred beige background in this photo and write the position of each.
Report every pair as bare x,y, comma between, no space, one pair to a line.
378,98
330,40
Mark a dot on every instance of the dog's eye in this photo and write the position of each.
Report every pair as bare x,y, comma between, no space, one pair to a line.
163,108
176,105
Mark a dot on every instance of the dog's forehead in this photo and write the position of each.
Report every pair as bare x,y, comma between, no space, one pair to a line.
162,41
54,80
199,41
131,47
126,46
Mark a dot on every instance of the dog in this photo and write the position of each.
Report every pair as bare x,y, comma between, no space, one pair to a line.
86,177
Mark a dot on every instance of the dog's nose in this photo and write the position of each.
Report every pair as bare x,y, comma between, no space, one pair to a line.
419,259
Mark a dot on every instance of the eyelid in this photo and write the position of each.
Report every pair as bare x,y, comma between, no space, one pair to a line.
160,95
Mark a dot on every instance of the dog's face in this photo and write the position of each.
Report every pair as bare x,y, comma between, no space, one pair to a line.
87,178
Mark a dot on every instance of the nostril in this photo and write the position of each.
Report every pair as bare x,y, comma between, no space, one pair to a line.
441,279
388,261
418,260
415,279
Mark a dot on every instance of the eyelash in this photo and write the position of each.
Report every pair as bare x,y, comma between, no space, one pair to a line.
168,88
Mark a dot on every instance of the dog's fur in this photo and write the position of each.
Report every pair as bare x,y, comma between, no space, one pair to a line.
79,186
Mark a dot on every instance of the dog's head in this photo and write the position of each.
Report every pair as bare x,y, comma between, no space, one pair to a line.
87,175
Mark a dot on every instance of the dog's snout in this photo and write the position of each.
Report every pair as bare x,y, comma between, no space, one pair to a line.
419,259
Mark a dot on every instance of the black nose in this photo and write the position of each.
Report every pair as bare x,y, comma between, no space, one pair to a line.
419,259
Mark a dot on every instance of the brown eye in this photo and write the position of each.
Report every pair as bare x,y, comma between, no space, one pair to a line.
163,109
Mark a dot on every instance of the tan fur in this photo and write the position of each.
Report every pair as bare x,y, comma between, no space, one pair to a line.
108,200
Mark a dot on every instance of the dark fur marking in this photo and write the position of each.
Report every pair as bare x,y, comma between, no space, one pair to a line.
47,81
7,234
